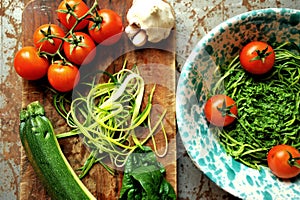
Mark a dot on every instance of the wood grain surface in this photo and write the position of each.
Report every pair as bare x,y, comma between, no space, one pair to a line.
157,66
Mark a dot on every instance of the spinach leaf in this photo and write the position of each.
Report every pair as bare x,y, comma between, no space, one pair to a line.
144,178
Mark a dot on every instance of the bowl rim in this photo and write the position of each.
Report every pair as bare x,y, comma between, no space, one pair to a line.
239,16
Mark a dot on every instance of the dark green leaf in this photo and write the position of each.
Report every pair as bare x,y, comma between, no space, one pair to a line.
144,178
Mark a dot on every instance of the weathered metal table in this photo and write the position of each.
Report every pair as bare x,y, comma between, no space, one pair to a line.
194,18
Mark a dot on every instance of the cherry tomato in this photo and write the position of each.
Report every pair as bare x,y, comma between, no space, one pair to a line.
220,110
29,65
257,57
280,161
81,48
106,27
63,77
68,8
43,37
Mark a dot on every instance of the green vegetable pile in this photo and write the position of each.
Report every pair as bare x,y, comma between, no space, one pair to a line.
268,107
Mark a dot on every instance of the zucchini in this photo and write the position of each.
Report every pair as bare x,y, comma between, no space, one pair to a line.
46,157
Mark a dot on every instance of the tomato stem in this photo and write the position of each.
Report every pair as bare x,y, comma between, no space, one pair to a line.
261,55
98,20
89,12
293,160
225,110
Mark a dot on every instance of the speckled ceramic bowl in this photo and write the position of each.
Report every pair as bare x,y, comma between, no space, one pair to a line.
220,45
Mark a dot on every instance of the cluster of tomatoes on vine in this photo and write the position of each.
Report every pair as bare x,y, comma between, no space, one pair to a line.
59,52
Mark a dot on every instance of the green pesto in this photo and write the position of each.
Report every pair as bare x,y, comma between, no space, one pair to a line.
268,107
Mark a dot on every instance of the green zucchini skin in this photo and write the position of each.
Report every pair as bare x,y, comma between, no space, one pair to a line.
45,155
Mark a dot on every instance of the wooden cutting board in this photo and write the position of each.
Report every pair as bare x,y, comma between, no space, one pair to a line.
157,66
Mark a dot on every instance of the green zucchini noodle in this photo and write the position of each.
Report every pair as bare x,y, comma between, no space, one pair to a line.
268,107
109,116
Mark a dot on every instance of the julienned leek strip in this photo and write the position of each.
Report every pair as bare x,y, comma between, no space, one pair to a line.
109,115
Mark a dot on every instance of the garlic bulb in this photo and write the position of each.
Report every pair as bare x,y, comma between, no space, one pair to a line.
155,18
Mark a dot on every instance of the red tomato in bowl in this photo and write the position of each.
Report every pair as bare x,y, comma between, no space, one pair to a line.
257,57
281,161
106,27
43,37
29,64
63,77
220,110
81,48
68,8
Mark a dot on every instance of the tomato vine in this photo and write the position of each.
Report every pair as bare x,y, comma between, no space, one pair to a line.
71,48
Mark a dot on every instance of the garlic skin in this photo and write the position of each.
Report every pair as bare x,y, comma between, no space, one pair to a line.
131,31
155,17
140,39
